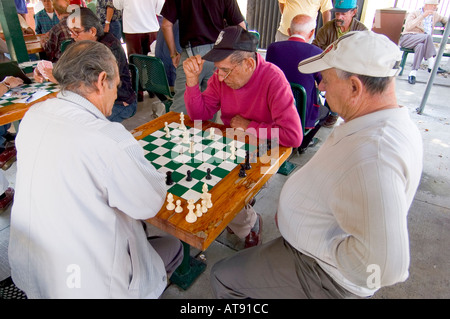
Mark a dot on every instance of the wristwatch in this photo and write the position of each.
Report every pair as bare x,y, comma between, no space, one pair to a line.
107,22
8,86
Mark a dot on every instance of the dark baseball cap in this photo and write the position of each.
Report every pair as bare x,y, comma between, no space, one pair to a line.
231,39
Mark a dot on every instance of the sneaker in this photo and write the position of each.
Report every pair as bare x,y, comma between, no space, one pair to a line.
6,199
254,238
330,121
8,157
439,71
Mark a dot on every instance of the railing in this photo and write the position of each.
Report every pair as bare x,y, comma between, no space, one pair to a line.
411,5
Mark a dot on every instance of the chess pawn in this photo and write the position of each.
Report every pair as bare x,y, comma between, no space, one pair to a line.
191,217
178,209
170,205
199,212
211,133
204,208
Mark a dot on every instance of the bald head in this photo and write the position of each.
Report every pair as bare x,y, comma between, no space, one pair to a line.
303,25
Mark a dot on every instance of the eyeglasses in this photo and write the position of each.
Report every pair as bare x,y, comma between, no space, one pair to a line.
227,73
76,32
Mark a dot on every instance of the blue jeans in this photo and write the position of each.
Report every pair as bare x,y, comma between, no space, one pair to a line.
3,130
120,112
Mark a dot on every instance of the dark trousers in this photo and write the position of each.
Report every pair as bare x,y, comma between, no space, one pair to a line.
139,43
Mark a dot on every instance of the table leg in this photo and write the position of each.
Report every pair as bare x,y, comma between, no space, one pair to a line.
189,269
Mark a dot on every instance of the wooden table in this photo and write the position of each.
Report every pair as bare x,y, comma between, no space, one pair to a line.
33,43
229,196
15,112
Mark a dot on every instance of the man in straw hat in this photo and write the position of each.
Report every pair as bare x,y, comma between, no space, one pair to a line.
343,215
418,35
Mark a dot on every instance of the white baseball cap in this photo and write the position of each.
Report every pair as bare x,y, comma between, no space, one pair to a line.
431,2
359,52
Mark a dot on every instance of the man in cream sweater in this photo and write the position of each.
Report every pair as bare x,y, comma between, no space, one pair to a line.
343,215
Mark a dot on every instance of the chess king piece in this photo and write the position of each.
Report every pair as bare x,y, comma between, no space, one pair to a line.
170,205
182,126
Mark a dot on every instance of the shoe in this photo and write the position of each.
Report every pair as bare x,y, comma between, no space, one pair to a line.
8,157
312,143
6,199
330,121
10,137
140,96
411,79
439,71
254,238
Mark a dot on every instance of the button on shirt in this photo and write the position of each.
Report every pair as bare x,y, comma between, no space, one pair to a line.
82,187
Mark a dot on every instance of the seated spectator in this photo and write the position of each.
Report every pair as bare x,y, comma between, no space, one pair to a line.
91,29
46,18
251,94
59,33
344,22
418,35
287,55
81,235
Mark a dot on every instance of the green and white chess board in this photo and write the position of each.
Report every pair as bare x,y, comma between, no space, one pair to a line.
171,154
21,93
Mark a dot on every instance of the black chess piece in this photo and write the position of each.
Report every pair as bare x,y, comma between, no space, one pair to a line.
188,176
247,165
208,174
242,172
169,180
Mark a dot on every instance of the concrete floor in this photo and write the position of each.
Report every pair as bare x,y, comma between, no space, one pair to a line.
429,216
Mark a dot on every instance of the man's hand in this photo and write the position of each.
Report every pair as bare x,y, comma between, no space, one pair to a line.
38,77
193,66
239,122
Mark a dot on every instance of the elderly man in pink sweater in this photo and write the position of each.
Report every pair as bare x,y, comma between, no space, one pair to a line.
251,94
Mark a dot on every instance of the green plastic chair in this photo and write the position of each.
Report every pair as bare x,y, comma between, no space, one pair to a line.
255,33
153,77
65,44
300,98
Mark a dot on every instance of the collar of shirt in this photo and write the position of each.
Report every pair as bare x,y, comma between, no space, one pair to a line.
297,37
81,102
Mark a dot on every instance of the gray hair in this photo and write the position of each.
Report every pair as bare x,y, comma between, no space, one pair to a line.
238,56
373,85
90,20
79,67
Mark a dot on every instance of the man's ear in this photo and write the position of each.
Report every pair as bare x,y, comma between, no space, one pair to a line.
357,86
102,82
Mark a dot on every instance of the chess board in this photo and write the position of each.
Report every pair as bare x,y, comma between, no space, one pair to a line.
170,154
20,93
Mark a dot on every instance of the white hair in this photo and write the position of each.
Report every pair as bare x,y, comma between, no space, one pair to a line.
303,27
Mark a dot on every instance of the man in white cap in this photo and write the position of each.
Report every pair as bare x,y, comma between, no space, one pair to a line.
418,35
343,215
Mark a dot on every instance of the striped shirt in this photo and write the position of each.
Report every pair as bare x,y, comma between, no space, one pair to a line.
347,207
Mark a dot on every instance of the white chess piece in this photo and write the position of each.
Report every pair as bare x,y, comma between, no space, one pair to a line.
208,201
199,212
211,133
191,217
185,137
166,128
182,126
192,147
170,205
233,151
204,208
178,209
